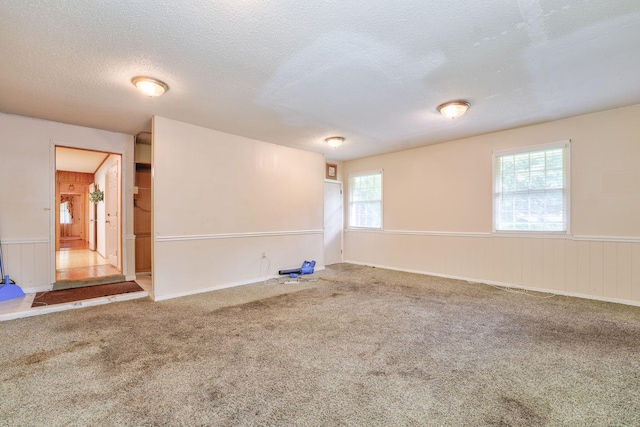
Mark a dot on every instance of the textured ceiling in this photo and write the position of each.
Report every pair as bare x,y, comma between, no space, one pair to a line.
69,159
294,73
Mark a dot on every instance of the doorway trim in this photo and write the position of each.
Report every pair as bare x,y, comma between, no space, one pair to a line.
126,159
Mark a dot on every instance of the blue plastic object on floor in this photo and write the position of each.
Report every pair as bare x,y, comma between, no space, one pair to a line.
9,290
307,268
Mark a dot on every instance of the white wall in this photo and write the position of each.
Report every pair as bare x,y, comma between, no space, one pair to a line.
438,211
221,200
27,193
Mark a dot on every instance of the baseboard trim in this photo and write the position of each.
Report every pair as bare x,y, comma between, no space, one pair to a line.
37,289
502,284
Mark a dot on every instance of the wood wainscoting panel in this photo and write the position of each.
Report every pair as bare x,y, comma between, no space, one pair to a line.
142,219
143,254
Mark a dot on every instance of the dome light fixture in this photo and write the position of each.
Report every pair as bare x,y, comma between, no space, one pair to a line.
334,141
150,86
453,109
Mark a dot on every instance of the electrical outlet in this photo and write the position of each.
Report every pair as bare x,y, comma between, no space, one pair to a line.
264,254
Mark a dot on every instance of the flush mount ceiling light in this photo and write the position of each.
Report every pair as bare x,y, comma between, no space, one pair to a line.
334,141
453,109
149,86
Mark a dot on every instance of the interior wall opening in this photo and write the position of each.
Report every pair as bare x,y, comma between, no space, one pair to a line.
88,217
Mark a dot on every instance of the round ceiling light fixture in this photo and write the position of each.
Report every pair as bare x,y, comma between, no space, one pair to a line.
453,109
334,141
150,86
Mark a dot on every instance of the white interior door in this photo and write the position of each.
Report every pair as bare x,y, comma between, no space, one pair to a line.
92,221
333,221
112,218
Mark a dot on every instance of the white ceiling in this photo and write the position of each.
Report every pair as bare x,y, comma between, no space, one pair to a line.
295,72
70,159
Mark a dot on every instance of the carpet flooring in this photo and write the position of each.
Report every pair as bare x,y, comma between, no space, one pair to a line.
77,294
358,347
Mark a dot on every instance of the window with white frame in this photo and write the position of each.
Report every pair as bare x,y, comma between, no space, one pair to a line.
531,188
365,200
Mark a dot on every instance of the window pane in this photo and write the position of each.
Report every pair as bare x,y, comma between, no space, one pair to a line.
365,201
507,164
522,181
555,179
537,180
530,192
508,182
522,162
554,159
537,161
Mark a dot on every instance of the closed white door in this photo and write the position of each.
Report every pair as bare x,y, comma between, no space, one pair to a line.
112,218
332,222
92,221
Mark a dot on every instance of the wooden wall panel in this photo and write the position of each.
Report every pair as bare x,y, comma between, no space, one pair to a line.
28,264
527,267
548,265
599,268
610,269
571,266
625,271
143,254
142,220
43,265
537,262
507,261
596,284
583,267
516,249
559,264
635,273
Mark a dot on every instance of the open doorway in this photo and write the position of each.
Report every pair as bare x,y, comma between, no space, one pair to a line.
88,217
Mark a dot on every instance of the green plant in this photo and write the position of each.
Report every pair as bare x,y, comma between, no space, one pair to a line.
96,196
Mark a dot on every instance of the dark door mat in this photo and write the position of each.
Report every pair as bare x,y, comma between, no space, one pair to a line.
79,294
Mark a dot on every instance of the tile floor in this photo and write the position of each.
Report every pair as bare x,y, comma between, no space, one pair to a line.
81,264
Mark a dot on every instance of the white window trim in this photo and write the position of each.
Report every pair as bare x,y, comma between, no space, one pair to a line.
566,144
363,173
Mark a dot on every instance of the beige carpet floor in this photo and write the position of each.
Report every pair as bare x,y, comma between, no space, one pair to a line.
359,347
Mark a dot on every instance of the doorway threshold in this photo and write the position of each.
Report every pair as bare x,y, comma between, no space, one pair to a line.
21,307
90,281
